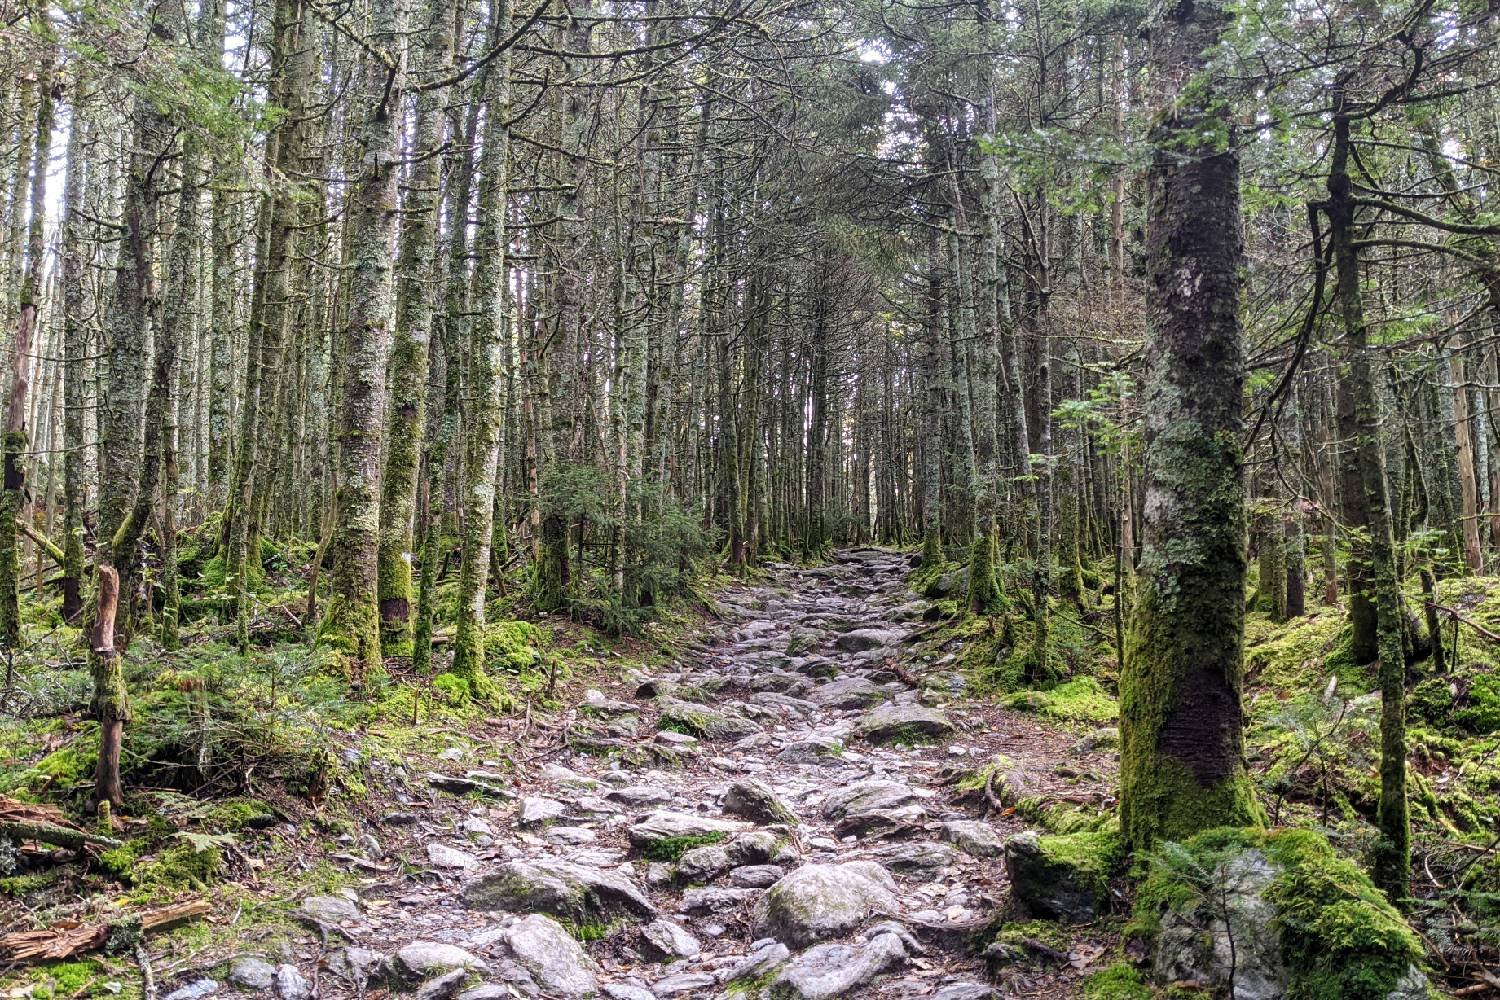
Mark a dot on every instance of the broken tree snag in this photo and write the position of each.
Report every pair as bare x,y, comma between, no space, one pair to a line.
111,704
68,940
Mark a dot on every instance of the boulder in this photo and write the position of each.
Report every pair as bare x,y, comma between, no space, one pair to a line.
557,963
665,941
867,796
904,723
817,902
755,801
251,972
665,835
1062,877
1276,914
334,910
832,971
974,838
291,984
575,892
421,959
444,856
916,856
536,809
703,722
702,864
862,640
848,692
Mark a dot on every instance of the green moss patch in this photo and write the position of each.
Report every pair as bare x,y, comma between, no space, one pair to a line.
1118,982
1341,938
1082,699
671,849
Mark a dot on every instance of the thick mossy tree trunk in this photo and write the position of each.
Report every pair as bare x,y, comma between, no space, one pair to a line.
1379,583
1182,763
486,376
408,366
351,624
931,415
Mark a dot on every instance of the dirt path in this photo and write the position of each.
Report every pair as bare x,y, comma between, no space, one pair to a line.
769,819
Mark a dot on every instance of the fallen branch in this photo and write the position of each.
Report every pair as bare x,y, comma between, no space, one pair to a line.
50,833
1454,614
46,544
65,940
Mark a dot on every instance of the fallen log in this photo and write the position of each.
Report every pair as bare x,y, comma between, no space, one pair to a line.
50,833
25,821
67,939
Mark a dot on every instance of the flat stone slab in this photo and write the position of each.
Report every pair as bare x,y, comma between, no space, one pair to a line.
895,723
559,888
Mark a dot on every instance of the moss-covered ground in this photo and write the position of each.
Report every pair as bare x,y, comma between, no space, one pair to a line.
1312,741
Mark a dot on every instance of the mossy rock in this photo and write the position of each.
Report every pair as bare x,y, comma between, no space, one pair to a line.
1082,699
1063,877
1302,921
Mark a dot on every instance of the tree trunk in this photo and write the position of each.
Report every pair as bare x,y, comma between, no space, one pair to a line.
1182,765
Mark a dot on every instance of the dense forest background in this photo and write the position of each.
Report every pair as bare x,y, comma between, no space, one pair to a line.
384,364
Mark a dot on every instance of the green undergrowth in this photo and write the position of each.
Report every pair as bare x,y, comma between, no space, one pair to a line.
1341,938
1118,982
1082,699
671,849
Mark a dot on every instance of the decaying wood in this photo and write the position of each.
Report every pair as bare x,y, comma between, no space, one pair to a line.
65,940
24,821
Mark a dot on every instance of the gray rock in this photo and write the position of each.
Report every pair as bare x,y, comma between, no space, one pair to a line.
291,984
898,723
756,802
442,987
863,639
251,972
556,961
625,991
358,965
334,910
818,902
713,900
450,857
974,838
867,796
703,722
849,693
830,971
691,983
916,856
537,809
195,990
1194,942
1048,888
571,835
702,864
966,991
665,825
421,959
639,795
755,876
560,888
1104,738
760,961
665,941
488,991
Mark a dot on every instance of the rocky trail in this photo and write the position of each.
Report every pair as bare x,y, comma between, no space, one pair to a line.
775,817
